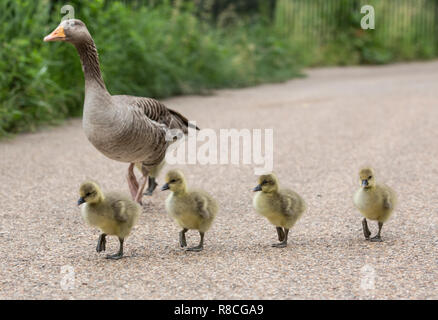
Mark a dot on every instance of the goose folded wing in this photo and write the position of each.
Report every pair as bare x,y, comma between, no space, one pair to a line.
158,112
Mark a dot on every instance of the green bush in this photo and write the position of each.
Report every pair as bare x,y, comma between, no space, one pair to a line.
169,47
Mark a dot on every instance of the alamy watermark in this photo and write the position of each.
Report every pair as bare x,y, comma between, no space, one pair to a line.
368,278
228,146
367,21
68,278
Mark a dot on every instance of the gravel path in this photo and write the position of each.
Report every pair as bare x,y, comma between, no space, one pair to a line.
325,127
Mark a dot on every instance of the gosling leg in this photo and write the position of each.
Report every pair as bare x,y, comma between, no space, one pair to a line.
139,194
132,181
119,254
152,184
182,238
366,231
283,243
377,238
280,233
101,243
200,246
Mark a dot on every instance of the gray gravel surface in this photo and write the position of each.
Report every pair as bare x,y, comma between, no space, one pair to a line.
325,127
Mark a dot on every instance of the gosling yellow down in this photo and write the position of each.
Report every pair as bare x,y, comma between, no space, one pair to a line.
113,213
375,202
191,210
282,207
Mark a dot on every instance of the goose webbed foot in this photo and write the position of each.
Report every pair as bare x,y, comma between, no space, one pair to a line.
119,254
366,231
101,243
152,184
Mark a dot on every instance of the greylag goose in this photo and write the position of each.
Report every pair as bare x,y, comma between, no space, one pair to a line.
190,209
375,202
282,207
124,128
113,213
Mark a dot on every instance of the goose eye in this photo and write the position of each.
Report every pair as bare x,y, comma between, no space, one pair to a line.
264,182
172,181
370,177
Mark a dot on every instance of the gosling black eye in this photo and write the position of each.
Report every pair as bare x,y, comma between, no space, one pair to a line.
172,181
264,182
88,194
370,177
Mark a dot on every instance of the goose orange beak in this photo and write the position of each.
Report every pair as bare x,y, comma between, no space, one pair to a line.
57,35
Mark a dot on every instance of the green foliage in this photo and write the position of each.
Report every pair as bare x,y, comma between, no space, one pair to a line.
145,50
330,30
170,47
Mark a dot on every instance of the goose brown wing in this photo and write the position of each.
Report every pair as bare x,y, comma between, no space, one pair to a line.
157,111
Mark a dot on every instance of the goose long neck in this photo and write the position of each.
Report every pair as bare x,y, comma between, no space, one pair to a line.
90,63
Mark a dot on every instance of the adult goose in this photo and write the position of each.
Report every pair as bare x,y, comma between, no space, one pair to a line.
123,128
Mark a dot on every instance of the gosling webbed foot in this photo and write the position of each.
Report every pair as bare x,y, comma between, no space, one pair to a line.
116,256
119,254
280,233
152,184
279,245
376,239
182,238
283,242
101,243
196,249
200,246
366,231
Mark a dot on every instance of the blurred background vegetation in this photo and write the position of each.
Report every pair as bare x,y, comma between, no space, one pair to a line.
171,47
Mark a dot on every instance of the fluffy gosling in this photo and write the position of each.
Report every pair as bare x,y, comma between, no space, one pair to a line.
113,213
282,207
374,201
193,210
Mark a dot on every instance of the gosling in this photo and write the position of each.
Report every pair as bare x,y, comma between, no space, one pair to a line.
282,207
374,201
113,213
194,210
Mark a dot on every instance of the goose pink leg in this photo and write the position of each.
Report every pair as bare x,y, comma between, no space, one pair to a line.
140,190
132,181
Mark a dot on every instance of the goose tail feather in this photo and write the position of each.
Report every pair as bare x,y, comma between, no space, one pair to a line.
182,122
